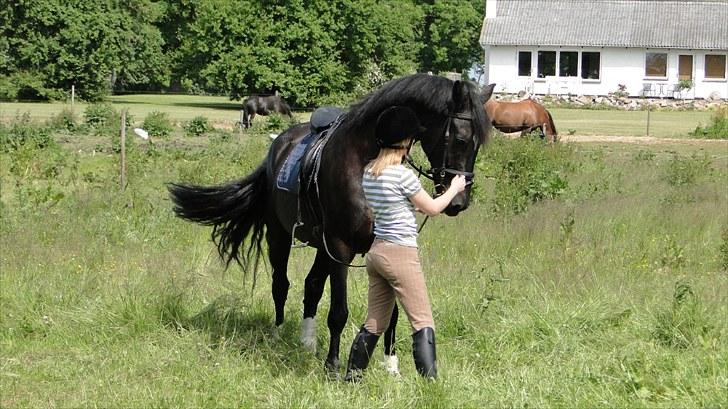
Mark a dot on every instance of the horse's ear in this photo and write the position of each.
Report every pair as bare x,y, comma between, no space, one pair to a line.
488,92
458,91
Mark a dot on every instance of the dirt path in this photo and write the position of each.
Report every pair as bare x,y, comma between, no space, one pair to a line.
643,140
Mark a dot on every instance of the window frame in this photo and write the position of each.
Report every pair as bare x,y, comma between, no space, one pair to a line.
667,66
576,69
518,63
556,64
599,67
705,68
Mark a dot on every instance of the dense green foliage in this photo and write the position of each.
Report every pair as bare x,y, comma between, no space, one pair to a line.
311,51
718,127
49,45
607,294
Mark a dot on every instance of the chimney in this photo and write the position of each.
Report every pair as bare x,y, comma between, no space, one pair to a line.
490,8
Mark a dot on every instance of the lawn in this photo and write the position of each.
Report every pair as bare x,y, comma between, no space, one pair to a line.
225,113
583,275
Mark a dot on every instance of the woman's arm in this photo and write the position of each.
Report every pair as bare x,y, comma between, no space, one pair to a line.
432,207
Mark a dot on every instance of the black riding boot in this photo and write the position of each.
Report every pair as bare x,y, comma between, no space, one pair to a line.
361,350
423,350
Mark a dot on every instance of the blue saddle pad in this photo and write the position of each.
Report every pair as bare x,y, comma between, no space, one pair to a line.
288,176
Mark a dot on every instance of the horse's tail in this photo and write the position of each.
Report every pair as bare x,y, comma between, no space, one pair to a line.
234,209
552,126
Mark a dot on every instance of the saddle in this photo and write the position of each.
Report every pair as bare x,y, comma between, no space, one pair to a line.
306,153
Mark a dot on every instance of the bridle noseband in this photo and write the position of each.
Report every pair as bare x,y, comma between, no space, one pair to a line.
437,174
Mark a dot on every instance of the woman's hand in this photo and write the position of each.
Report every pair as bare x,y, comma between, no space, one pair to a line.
458,183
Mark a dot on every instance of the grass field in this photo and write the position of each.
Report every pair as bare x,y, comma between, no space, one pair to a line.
610,290
225,113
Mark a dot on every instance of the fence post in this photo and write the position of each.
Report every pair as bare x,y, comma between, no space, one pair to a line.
73,95
122,178
648,119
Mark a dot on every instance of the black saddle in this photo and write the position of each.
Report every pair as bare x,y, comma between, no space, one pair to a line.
289,177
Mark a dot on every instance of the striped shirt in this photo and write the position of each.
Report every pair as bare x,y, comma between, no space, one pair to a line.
388,197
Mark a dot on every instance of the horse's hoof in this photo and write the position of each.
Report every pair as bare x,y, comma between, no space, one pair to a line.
308,334
332,369
391,365
275,333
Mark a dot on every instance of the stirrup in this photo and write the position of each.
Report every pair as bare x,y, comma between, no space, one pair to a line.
295,245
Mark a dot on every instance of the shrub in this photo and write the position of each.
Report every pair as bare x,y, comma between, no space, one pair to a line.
23,132
64,120
158,124
199,125
100,115
718,129
526,171
685,171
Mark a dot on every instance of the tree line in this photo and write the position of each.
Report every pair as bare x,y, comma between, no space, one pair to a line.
311,51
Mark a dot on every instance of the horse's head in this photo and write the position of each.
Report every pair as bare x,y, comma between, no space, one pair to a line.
453,146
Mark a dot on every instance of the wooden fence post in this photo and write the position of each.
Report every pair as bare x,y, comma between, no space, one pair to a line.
648,119
122,178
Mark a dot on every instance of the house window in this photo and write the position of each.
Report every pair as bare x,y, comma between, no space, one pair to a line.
685,68
524,63
546,63
568,63
590,65
715,66
656,64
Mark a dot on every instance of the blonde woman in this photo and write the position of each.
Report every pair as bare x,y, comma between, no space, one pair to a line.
393,192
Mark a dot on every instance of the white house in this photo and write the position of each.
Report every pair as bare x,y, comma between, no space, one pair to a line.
595,47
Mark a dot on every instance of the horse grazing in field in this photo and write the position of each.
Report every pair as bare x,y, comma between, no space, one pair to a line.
329,210
262,105
522,116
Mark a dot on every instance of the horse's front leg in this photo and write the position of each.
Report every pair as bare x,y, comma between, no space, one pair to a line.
338,313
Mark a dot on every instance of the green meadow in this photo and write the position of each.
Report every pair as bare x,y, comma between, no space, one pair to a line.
224,113
582,275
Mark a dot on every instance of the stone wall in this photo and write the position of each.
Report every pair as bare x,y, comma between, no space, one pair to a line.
615,101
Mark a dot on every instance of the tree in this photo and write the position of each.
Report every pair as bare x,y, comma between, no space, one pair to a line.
96,46
451,32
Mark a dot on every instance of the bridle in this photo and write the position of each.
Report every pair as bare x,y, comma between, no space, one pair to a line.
437,174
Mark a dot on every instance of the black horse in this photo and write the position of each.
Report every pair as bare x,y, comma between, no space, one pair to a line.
262,105
330,212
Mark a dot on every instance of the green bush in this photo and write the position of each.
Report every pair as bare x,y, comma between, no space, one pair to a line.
718,129
26,85
65,121
526,171
686,171
158,124
22,132
199,125
100,115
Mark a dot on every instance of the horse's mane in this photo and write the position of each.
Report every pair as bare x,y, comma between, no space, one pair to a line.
429,92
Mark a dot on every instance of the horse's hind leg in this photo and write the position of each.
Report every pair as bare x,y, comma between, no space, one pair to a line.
279,249
313,290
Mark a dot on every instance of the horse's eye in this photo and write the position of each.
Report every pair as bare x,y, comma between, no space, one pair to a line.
461,140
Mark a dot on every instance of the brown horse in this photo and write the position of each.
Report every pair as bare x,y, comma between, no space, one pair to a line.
522,116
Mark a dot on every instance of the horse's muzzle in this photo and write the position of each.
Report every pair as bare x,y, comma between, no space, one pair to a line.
459,203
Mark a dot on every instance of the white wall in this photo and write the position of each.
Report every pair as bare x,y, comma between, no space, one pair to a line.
618,66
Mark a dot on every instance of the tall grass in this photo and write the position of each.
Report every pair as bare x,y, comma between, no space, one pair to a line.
611,293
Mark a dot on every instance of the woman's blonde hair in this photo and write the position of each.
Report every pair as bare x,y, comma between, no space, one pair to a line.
388,157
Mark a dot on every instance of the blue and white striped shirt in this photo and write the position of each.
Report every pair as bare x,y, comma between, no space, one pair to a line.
388,197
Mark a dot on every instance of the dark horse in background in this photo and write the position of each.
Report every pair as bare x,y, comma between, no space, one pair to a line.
331,205
262,105
522,116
